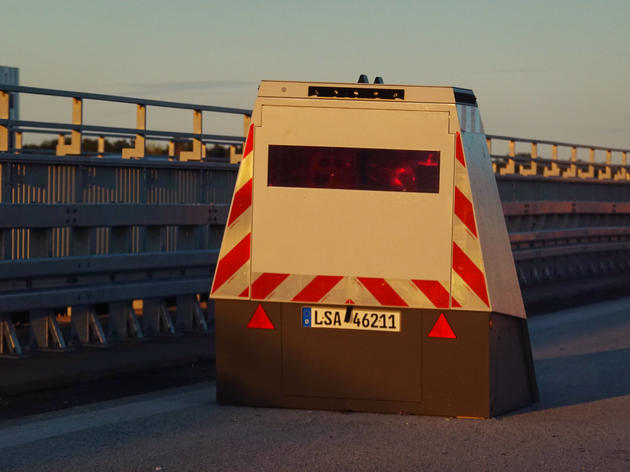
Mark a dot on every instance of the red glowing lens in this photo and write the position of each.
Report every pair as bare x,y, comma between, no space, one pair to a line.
354,168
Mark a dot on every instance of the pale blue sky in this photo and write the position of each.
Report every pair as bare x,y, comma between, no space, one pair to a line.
554,69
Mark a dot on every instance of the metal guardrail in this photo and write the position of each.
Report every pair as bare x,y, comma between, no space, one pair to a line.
87,236
91,236
568,216
83,232
12,131
527,164
118,242
614,164
564,248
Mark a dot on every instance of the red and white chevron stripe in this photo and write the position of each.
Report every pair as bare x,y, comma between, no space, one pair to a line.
468,281
232,276
346,290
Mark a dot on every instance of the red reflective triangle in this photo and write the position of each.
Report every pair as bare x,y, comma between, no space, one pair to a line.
441,329
260,320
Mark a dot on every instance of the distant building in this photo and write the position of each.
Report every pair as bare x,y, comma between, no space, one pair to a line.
11,76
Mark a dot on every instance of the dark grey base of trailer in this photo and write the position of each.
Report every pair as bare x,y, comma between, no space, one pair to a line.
486,371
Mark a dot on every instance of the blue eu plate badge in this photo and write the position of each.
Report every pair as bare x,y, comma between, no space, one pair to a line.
306,317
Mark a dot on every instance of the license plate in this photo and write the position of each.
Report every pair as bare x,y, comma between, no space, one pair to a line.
354,318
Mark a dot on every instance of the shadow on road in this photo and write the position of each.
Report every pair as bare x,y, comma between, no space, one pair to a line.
584,378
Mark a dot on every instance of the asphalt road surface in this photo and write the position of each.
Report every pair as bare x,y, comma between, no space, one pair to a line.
582,360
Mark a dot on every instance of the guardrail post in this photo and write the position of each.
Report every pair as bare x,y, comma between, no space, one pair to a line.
155,317
9,342
139,145
198,148
607,172
533,165
44,330
622,173
554,169
489,146
123,322
74,148
571,170
86,327
4,115
101,146
234,157
18,142
189,314
171,148
510,168
590,173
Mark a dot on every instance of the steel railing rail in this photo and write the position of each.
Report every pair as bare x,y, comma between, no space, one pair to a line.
11,131
532,163
112,278
151,162
47,127
554,143
122,99
569,247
